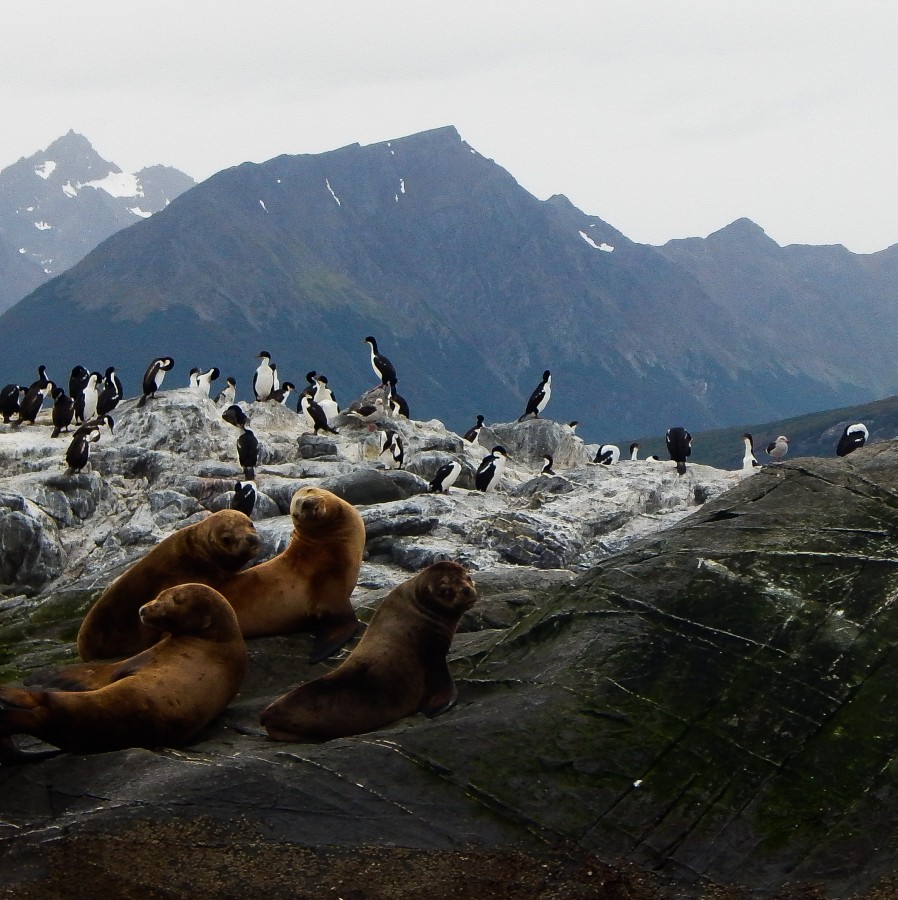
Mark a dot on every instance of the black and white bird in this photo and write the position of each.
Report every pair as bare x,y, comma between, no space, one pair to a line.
77,380
383,368
392,449
42,379
228,394
202,381
244,499
398,405
235,416
853,438
282,394
573,426
489,472
32,403
539,398
110,393
446,476
247,443
607,454
679,446
63,412
311,387
152,378
634,451
547,466
77,455
473,432
314,415
91,396
264,378
749,460
777,449
10,396
324,397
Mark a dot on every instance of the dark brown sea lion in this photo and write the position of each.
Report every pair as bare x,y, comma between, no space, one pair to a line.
207,552
398,668
159,698
307,587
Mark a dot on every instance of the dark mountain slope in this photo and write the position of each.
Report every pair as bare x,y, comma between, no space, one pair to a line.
471,285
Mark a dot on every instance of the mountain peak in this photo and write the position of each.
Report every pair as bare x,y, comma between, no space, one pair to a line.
743,230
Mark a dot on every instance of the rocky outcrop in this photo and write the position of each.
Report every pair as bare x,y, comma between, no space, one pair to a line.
708,697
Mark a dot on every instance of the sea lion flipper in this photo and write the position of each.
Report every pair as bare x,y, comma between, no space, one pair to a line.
442,692
77,677
330,637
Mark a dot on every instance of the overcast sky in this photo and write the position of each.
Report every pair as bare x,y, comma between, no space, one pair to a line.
666,119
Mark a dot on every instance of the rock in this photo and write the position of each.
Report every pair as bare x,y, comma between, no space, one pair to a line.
31,552
635,683
529,441
367,486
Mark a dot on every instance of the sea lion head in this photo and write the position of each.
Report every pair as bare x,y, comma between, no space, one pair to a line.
233,536
312,507
190,608
446,588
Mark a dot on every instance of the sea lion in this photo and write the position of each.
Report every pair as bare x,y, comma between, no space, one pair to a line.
307,586
161,697
398,668
208,552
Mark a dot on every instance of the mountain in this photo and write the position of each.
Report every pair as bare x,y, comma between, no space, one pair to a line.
59,203
472,287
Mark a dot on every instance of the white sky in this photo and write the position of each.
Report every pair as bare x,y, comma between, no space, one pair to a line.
668,118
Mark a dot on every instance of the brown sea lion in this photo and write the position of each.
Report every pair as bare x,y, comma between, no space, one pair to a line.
207,552
159,698
307,587
398,668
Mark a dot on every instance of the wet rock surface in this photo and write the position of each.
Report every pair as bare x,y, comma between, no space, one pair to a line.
694,702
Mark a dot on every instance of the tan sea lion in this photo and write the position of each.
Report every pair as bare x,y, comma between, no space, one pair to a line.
159,698
307,587
207,552
398,668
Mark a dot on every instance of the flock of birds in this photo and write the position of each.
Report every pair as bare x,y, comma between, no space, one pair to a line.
92,396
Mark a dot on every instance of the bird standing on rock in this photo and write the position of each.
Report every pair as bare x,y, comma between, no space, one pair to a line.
247,443
314,414
446,476
63,412
490,470
264,377
111,392
777,449
749,461
152,378
77,455
228,394
244,499
33,401
10,396
608,454
679,446
539,398
473,432
853,438
383,368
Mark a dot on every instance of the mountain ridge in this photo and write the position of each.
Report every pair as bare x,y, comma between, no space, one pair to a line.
472,286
